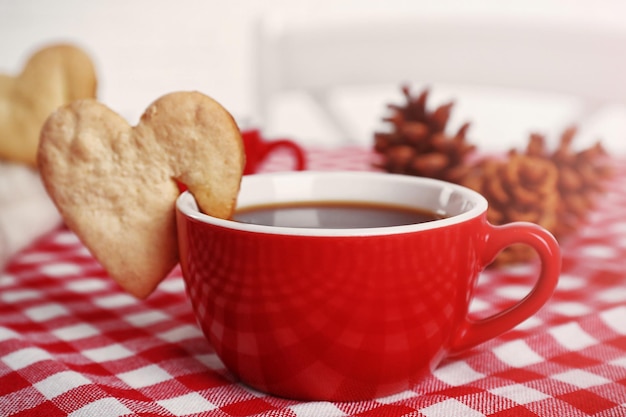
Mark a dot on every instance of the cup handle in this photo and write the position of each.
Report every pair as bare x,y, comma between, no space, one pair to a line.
300,160
474,332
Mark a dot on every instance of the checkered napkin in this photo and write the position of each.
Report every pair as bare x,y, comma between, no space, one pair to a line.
72,343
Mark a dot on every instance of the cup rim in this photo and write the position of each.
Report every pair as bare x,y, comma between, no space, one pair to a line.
186,205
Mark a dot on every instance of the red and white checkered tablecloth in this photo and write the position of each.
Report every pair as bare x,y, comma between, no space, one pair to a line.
72,343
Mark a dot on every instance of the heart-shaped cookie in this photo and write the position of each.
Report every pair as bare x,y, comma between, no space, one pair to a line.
116,185
53,76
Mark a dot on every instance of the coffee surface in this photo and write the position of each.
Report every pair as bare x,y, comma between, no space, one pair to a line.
333,215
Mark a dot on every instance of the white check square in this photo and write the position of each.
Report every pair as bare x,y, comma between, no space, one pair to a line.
87,285
613,295
615,319
146,318
107,353
46,312
519,393
109,407
450,407
144,377
184,332
530,323
513,292
570,282
76,332
619,362
316,409
59,383
569,308
115,301
517,354
581,379
66,238
478,305
6,334
404,395
25,357
211,361
16,296
191,403
457,373
572,336
60,269
173,285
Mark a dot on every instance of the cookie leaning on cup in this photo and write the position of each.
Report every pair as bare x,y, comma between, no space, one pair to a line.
116,185
53,76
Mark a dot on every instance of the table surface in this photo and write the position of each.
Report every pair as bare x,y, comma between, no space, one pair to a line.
73,343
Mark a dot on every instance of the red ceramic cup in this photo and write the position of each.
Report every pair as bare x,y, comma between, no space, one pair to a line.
258,149
349,314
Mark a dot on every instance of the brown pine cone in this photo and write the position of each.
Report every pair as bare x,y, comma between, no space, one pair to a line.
580,180
417,143
555,189
518,188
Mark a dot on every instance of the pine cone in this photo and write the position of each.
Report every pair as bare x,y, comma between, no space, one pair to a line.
555,190
418,144
518,188
581,177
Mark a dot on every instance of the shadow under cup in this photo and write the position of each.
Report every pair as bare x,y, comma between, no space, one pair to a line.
348,314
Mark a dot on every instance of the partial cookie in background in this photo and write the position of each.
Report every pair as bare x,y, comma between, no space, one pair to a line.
54,76
116,185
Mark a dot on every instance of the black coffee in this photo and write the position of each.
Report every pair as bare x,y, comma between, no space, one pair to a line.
333,215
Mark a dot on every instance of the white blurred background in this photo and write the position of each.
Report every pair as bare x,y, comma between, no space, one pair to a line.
146,48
